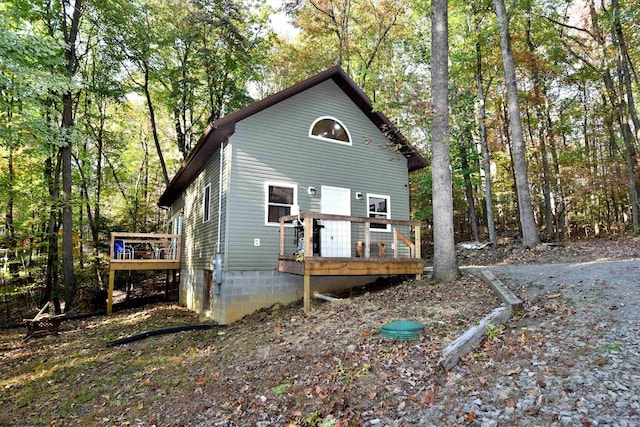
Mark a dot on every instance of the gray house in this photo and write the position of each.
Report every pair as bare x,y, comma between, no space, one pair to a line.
310,181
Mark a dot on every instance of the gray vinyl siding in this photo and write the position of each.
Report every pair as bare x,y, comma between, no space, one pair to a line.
273,145
199,238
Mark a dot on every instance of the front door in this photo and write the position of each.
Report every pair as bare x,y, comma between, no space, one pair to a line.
335,236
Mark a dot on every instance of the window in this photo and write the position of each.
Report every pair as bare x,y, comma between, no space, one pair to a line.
206,203
378,208
331,129
280,198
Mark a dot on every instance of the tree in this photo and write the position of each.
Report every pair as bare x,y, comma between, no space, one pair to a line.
210,54
132,36
486,155
445,264
530,236
70,14
540,104
358,35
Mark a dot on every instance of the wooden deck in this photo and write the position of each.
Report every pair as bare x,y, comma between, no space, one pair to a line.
305,262
141,251
319,266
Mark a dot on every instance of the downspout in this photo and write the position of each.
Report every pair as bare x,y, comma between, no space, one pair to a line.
220,196
217,260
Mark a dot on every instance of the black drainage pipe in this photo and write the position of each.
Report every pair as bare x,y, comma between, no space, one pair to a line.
144,335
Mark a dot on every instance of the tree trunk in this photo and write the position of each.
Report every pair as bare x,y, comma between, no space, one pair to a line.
486,156
530,237
11,232
630,151
70,37
621,44
181,137
619,109
612,156
51,273
540,105
445,264
154,127
558,189
95,229
68,274
468,189
84,197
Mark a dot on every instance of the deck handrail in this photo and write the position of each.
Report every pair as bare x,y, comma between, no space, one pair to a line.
308,218
305,263
360,219
168,241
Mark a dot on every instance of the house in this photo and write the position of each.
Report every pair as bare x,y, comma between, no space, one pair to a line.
315,148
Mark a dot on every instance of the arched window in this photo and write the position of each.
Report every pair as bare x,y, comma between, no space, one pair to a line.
330,128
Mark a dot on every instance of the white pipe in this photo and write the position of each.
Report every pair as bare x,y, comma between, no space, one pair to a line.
318,295
220,195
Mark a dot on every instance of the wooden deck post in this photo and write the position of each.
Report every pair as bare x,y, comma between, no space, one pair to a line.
281,237
308,237
367,239
395,243
307,294
418,247
112,277
308,252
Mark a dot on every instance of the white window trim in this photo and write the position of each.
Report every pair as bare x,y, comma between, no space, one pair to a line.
266,200
206,210
330,139
176,222
388,198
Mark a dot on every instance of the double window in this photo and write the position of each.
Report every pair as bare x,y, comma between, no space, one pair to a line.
331,129
378,207
280,197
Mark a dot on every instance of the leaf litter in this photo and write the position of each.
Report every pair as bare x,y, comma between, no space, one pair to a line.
275,367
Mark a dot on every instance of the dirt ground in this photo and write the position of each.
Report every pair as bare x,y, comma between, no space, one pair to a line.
279,367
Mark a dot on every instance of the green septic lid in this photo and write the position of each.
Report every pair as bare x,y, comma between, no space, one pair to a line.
402,330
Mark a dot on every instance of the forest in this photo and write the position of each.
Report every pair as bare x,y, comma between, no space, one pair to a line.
101,101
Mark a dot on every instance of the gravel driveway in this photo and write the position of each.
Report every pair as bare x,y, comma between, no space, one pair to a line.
585,369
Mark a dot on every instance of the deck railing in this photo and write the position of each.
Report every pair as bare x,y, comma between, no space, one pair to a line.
149,247
316,235
315,244
141,251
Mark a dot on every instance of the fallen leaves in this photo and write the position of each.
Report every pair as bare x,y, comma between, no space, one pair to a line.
331,362
514,371
429,398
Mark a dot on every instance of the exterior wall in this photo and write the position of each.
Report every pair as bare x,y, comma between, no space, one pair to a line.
199,239
274,145
246,291
192,293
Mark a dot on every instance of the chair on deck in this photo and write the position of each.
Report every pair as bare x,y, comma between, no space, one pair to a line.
167,252
121,250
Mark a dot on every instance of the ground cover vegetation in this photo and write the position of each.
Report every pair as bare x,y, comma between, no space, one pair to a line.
277,365
100,101
280,367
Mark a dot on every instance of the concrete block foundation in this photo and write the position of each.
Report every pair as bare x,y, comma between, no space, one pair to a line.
243,292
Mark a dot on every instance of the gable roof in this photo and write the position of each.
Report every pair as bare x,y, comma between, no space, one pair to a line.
221,129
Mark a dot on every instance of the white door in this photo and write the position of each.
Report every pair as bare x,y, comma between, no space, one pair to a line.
335,236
